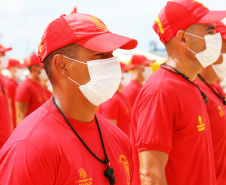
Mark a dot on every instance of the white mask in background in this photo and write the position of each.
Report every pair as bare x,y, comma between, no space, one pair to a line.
147,72
43,75
4,61
212,51
105,77
18,73
126,78
220,69
49,86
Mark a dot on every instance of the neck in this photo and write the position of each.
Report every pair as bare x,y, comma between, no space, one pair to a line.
34,78
120,88
187,67
209,75
74,104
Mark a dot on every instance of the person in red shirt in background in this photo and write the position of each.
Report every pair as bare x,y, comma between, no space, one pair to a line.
117,109
170,125
4,108
216,107
46,85
11,86
141,72
29,94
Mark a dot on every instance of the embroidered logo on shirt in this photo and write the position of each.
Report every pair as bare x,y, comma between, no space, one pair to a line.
125,164
221,112
99,24
201,125
84,180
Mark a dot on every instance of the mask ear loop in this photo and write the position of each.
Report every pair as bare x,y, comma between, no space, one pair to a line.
73,81
75,60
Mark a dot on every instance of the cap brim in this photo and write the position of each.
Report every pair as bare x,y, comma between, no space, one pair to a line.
107,42
148,62
212,17
5,49
127,67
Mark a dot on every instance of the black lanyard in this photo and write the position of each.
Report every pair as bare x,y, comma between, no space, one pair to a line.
186,78
217,94
109,173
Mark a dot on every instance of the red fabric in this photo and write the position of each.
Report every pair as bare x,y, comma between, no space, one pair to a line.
5,130
131,91
11,87
221,28
170,115
85,30
3,49
117,108
33,59
217,115
44,150
14,63
181,14
30,92
219,88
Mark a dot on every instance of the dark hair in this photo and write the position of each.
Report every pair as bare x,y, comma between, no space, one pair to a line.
69,51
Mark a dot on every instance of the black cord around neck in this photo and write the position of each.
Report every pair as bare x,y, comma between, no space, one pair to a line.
185,77
217,94
106,160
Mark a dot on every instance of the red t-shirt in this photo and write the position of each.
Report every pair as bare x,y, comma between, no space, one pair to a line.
30,92
131,91
5,130
11,87
217,115
170,115
117,108
44,150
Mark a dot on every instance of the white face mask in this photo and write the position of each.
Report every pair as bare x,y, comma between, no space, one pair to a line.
105,75
220,69
18,73
43,75
126,78
4,61
212,51
147,72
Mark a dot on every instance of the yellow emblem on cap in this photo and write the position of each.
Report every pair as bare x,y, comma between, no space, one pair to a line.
160,25
199,3
99,24
40,47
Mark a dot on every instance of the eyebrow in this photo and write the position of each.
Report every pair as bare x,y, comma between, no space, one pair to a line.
210,28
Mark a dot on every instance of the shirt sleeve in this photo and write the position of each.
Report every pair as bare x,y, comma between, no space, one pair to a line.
23,93
155,123
18,166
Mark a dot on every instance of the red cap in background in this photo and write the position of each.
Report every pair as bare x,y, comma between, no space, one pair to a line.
85,30
33,59
3,49
125,67
181,14
221,28
74,10
139,59
14,63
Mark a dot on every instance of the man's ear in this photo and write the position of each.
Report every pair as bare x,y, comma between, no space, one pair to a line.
59,62
183,38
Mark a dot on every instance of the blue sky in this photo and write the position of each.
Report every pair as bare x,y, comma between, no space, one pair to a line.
24,21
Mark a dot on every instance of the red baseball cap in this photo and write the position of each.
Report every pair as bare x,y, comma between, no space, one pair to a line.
3,49
139,59
221,28
85,30
181,14
125,67
33,59
14,63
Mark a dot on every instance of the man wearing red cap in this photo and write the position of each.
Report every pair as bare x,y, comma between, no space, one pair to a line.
117,109
141,67
216,107
170,123
4,109
11,86
30,93
64,141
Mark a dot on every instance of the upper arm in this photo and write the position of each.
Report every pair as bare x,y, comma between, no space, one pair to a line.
22,163
21,110
152,167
